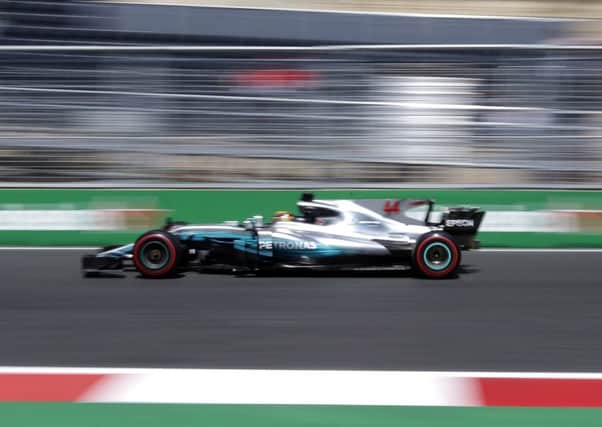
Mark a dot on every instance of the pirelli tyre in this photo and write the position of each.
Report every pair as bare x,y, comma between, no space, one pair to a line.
157,254
436,255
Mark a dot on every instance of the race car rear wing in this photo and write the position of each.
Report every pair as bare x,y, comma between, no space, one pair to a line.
463,224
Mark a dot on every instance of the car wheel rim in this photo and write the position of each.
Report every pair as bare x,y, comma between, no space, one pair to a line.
154,255
437,256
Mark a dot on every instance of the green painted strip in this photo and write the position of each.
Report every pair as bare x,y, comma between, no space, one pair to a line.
130,415
206,205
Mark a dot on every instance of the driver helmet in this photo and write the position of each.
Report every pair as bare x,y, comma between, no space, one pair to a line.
283,216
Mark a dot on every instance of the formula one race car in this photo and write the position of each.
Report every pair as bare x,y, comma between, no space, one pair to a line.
327,235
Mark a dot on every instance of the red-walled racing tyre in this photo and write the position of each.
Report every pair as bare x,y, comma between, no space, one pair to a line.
157,254
436,255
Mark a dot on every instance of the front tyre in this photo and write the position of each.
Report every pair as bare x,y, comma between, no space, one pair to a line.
436,255
157,254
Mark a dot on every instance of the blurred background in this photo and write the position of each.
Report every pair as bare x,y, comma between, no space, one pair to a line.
333,92
118,115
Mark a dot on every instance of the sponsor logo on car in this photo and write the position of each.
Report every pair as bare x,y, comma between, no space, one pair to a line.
391,207
289,244
459,223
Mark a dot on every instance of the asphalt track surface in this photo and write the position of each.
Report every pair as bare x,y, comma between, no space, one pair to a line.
521,311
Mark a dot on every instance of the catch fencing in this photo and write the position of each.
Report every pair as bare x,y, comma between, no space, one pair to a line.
506,115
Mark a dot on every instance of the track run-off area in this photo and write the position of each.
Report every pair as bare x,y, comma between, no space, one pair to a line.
529,311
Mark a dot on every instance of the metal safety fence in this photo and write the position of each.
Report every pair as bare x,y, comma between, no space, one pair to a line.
441,114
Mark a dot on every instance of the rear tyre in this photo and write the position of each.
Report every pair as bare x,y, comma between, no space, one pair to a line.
436,255
157,254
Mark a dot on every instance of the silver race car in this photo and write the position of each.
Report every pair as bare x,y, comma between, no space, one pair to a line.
374,234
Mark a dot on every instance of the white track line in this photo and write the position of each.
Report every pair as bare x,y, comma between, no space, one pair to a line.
459,374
